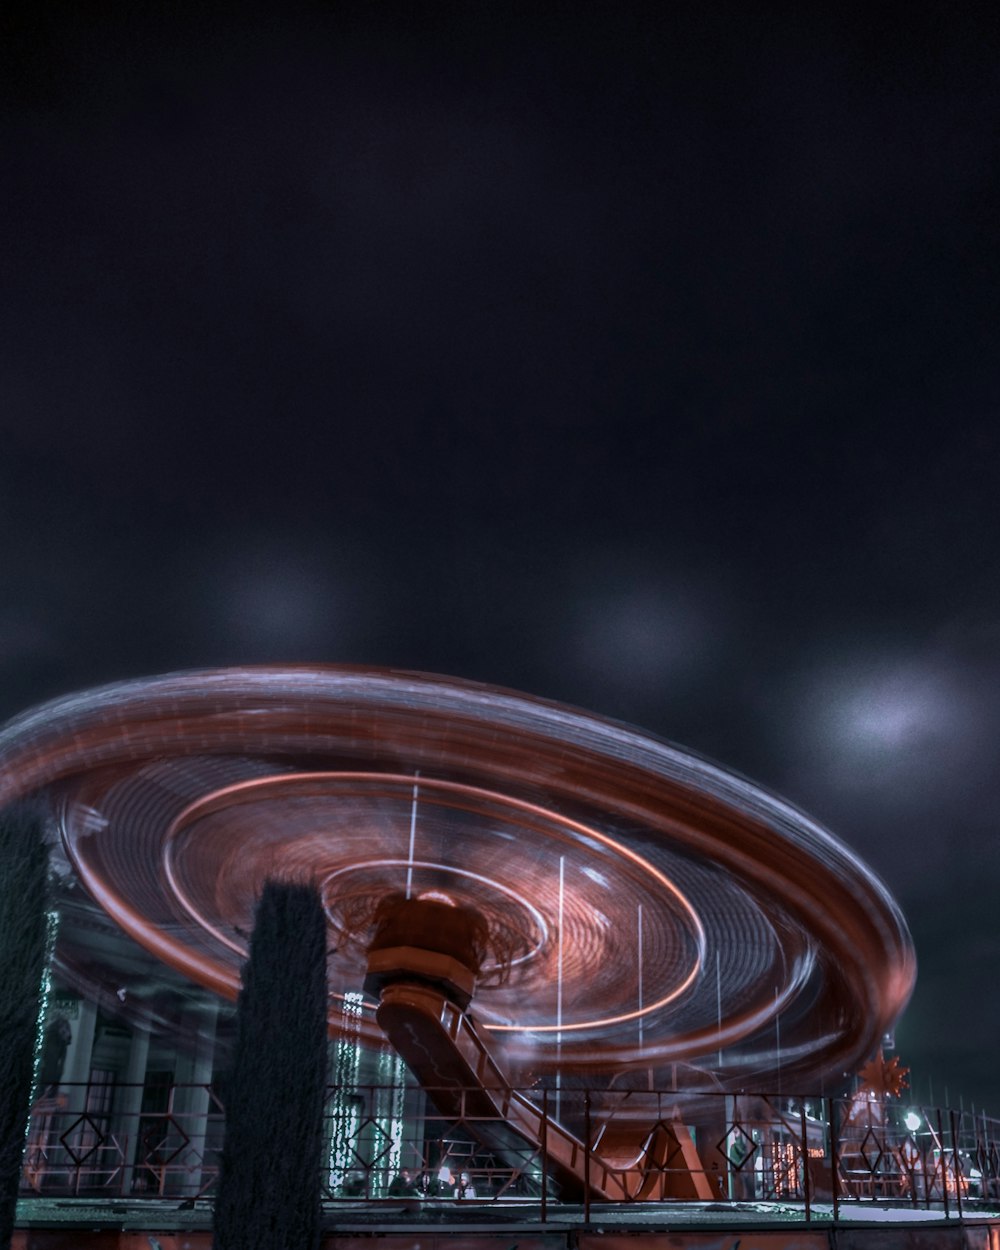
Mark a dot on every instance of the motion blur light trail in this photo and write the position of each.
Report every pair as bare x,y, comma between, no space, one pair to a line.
645,907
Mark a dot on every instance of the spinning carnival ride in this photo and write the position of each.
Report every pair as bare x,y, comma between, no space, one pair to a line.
523,892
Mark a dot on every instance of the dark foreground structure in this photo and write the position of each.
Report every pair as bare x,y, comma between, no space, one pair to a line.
560,955
269,1187
23,924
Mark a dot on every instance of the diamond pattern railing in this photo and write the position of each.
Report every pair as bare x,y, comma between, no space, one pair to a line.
821,1153
135,1153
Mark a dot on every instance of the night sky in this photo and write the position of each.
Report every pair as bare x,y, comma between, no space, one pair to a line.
639,356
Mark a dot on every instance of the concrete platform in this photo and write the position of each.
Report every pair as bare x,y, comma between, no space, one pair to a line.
93,1224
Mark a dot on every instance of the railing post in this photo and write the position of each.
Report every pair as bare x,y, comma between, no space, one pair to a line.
586,1157
944,1165
544,1141
958,1164
928,1175
806,1187
912,1157
834,1160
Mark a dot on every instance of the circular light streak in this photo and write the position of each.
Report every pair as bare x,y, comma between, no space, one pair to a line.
347,788
179,795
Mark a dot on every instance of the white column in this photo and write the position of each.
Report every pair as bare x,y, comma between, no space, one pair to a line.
73,1088
76,1068
130,1105
190,1105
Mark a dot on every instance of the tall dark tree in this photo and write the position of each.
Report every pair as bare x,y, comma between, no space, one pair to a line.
23,898
270,1184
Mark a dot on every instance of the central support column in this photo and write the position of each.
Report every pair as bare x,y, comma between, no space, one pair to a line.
422,963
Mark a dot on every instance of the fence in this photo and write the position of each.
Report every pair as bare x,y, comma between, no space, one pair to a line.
383,1143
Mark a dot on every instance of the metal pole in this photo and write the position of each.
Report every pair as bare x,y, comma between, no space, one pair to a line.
545,1153
559,987
718,1006
958,1164
928,1175
730,1113
944,1166
912,1158
586,1157
639,956
413,834
834,1160
806,1187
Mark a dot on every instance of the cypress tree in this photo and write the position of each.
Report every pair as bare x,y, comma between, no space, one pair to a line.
23,925
269,1195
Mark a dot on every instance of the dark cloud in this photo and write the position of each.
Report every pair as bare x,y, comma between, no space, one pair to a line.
635,356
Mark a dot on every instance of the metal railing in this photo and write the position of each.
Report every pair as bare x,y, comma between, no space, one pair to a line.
819,1153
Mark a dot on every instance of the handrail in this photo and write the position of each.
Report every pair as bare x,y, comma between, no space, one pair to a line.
763,1148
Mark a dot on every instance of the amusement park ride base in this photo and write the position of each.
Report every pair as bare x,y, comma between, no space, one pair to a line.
644,908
